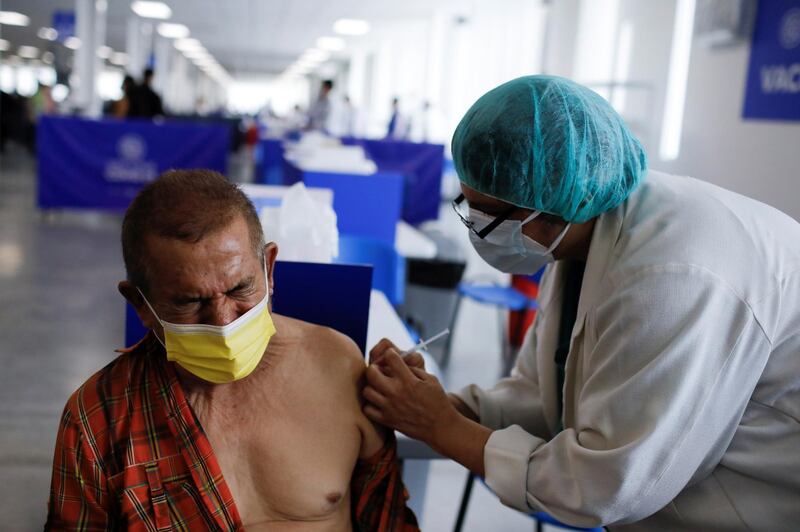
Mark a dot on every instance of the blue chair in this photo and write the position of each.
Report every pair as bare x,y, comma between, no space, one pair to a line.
389,267
333,295
505,299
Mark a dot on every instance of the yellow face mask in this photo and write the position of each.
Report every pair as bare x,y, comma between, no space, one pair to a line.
220,354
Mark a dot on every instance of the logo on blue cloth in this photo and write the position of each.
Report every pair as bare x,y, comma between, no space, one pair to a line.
790,29
131,166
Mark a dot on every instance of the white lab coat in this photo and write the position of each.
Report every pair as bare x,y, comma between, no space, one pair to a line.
682,391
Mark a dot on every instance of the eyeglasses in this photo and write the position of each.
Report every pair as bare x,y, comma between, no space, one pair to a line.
459,206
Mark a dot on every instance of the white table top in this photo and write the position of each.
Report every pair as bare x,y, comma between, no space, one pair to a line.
412,243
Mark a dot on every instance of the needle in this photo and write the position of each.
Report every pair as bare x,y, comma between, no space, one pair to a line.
424,343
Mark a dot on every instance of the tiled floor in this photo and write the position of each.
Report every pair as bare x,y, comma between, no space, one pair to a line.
61,317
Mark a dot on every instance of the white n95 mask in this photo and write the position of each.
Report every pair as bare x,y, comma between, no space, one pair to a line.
220,354
507,249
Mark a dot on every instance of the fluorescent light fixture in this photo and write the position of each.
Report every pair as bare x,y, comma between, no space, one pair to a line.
173,31
12,18
622,66
672,124
4,45
197,54
351,26
104,52
28,52
119,58
48,34
145,9
207,61
332,44
48,58
73,43
315,55
185,45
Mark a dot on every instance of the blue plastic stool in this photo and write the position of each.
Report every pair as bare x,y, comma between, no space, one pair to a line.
505,299
389,267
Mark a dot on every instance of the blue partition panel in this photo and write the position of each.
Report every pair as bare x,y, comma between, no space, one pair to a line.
270,162
365,205
421,166
102,164
333,295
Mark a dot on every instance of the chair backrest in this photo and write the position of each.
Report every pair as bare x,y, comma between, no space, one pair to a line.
389,267
366,205
332,295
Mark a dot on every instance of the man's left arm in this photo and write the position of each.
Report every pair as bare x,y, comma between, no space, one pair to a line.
378,496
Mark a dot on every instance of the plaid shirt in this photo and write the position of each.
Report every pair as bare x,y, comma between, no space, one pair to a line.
130,454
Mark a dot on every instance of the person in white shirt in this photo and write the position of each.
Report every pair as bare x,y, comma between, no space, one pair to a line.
659,386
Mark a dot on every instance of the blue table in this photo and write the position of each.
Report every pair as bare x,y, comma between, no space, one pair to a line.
102,164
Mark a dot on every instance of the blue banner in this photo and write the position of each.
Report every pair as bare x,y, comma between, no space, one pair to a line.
773,79
102,164
420,164
64,24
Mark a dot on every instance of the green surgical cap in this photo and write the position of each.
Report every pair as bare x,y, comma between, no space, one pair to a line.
549,144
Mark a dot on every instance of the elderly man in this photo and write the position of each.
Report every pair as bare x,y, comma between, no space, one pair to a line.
225,416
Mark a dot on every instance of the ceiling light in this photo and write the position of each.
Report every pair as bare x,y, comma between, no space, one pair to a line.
48,58
158,10
315,55
351,26
119,58
12,18
173,31
48,34
185,45
4,45
28,52
104,52
73,43
332,44
196,54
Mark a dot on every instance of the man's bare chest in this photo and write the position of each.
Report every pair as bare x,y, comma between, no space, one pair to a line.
285,460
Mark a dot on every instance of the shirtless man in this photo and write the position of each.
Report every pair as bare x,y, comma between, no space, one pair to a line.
169,436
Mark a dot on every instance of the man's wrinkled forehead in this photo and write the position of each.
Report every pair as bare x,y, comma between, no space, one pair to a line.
220,253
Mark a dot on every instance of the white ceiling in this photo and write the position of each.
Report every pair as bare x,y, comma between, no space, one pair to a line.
243,35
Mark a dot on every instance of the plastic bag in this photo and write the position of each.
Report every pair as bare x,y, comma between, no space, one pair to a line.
306,228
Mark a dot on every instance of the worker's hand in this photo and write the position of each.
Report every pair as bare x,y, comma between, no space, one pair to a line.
412,360
406,398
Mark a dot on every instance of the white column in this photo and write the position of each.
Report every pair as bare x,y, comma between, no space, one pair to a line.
133,41
163,51
90,29
138,45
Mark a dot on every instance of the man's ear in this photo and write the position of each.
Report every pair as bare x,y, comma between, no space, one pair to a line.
270,256
133,296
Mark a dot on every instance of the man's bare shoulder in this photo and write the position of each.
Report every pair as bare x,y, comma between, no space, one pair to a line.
341,366
326,348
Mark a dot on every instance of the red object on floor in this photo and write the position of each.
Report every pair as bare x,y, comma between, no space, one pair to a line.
520,320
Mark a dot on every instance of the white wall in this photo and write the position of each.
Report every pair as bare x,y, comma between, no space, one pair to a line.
444,62
755,158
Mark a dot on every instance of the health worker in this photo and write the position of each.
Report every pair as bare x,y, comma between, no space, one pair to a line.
659,386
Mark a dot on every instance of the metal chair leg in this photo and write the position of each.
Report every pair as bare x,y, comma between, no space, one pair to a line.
449,340
462,509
